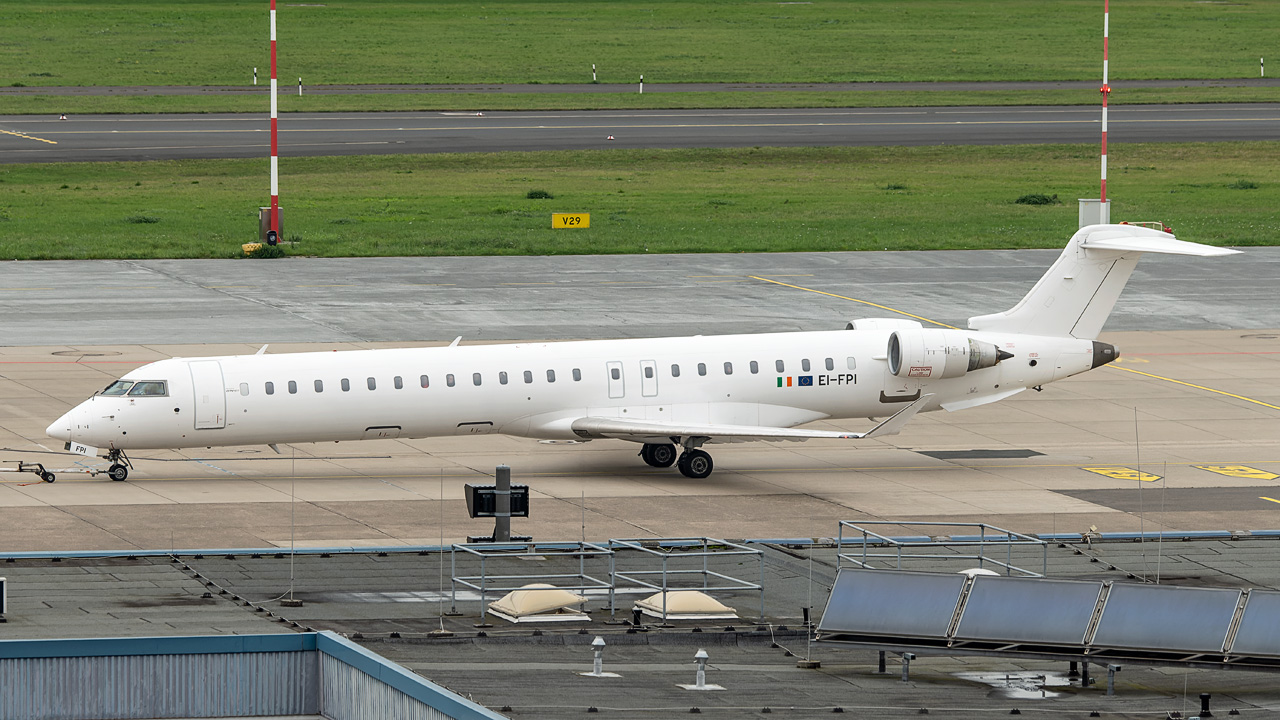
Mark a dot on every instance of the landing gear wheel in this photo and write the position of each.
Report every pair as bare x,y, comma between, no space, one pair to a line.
48,477
694,464
117,472
659,456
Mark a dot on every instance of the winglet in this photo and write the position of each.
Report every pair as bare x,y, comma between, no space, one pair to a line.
894,424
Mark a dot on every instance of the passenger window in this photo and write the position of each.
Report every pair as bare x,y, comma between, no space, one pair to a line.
346,385
373,384
528,376
728,368
118,387
648,371
675,371
424,381
448,379
577,375
244,389
804,364
271,388
475,379
150,388
319,386
702,368
777,364
831,364
398,382
755,367
551,376
293,388
615,373
853,364
502,378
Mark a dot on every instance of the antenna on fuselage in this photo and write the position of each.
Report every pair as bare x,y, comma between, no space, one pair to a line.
456,341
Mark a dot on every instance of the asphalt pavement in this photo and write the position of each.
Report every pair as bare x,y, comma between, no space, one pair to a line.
27,139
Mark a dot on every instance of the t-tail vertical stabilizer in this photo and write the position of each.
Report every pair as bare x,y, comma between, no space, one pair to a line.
1076,295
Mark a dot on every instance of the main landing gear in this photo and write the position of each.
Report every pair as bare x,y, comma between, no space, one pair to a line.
119,470
691,463
659,456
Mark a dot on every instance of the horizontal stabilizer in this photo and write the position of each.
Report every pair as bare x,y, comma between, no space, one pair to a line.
1077,293
659,432
1167,245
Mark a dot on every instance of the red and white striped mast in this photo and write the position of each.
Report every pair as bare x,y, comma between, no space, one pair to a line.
1106,90
273,223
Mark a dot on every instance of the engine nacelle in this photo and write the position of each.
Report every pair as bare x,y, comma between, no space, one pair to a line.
934,354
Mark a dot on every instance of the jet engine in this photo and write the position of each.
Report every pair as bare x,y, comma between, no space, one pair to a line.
935,354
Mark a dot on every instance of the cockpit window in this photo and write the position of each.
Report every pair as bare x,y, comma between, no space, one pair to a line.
118,387
150,388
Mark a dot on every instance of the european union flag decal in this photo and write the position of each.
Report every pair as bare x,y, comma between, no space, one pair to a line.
806,381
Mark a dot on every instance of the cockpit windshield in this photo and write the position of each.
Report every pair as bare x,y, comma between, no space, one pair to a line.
150,388
118,387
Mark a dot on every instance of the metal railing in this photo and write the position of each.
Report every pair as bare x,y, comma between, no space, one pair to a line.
989,538
672,553
488,553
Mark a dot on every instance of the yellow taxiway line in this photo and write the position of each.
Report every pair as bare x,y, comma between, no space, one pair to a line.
25,136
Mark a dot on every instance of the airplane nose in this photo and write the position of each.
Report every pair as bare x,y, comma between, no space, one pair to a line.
60,429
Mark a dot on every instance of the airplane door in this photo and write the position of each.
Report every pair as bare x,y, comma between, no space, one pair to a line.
616,384
648,378
210,395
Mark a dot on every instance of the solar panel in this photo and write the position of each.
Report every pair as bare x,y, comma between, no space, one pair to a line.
880,602
1163,617
1028,610
1259,632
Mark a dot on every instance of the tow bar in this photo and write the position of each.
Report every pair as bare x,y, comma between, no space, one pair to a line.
36,469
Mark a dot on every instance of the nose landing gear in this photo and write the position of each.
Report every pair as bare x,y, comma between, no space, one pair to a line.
120,465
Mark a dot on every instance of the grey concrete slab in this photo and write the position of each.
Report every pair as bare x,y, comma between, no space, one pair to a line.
77,303
164,137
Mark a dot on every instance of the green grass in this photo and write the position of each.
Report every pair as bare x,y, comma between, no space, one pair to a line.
82,105
660,201
217,42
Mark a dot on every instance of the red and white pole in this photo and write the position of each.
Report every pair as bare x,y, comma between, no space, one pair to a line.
274,221
1106,89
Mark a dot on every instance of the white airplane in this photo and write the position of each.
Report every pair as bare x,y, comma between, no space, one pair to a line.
665,393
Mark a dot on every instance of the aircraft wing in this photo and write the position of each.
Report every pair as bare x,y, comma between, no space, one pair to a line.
645,431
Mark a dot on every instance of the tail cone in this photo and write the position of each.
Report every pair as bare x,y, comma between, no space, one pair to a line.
1104,353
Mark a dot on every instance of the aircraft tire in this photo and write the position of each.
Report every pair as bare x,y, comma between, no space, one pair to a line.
695,464
118,473
659,456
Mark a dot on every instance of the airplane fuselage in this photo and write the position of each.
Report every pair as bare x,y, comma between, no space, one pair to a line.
537,390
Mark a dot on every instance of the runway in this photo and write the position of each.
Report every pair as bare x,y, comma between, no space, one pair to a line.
1194,404
27,139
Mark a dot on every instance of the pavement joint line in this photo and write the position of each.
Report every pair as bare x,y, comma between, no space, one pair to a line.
883,468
